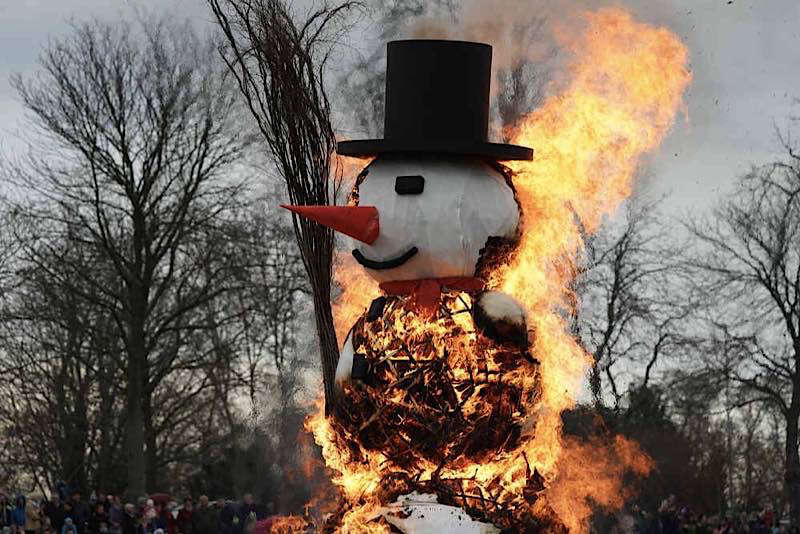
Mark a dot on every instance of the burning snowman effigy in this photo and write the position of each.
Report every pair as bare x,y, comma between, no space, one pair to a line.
425,373
449,416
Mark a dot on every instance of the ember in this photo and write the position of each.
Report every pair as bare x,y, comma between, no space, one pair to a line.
282,525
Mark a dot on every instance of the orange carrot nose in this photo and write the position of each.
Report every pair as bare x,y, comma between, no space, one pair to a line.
359,222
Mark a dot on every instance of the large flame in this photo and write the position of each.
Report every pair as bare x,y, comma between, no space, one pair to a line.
357,291
626,81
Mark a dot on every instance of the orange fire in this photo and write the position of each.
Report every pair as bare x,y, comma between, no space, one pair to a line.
357,291
288,525
356,288
626,81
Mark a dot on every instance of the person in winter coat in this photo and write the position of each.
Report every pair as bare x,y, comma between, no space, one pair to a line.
160,519
98,519
115,513
149,512
246,513
68,514
69,527
669,516
33,517
6,512
18,514
54,510
185,517
204,517
79,511
169,516
228,521
129,521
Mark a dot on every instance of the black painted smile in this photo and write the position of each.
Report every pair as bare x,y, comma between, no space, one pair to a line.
382,265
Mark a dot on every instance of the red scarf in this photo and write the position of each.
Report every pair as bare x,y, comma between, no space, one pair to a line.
425,293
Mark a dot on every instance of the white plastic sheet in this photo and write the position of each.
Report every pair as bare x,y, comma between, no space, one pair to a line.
421,514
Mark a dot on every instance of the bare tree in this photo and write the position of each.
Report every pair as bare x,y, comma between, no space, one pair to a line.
269,304
9,250
280,65
747,263
262,325
631,310
61,354
60,357
137,125
273,301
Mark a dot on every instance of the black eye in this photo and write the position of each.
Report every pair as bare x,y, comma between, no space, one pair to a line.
409,185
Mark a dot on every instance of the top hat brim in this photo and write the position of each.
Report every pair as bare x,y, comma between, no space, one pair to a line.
374,147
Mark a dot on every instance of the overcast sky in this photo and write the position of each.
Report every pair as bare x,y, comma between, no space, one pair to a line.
745,58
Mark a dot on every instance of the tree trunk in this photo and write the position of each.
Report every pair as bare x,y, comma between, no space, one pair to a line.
151,475
748,473
80,438
137,299
105,455
75,455
137,358
792,459
595,384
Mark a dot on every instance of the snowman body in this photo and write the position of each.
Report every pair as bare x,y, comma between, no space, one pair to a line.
436,376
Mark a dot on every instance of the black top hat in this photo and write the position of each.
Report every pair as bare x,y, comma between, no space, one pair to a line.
437,101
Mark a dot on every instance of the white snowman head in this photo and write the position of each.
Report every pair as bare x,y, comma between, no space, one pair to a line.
433,215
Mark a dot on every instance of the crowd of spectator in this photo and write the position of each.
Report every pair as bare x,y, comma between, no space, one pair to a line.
674,519
159,514
107,514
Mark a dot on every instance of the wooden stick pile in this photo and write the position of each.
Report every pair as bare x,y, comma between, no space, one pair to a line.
437,396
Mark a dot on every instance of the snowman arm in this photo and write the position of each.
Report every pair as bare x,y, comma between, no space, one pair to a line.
348,357
500,317
345,366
